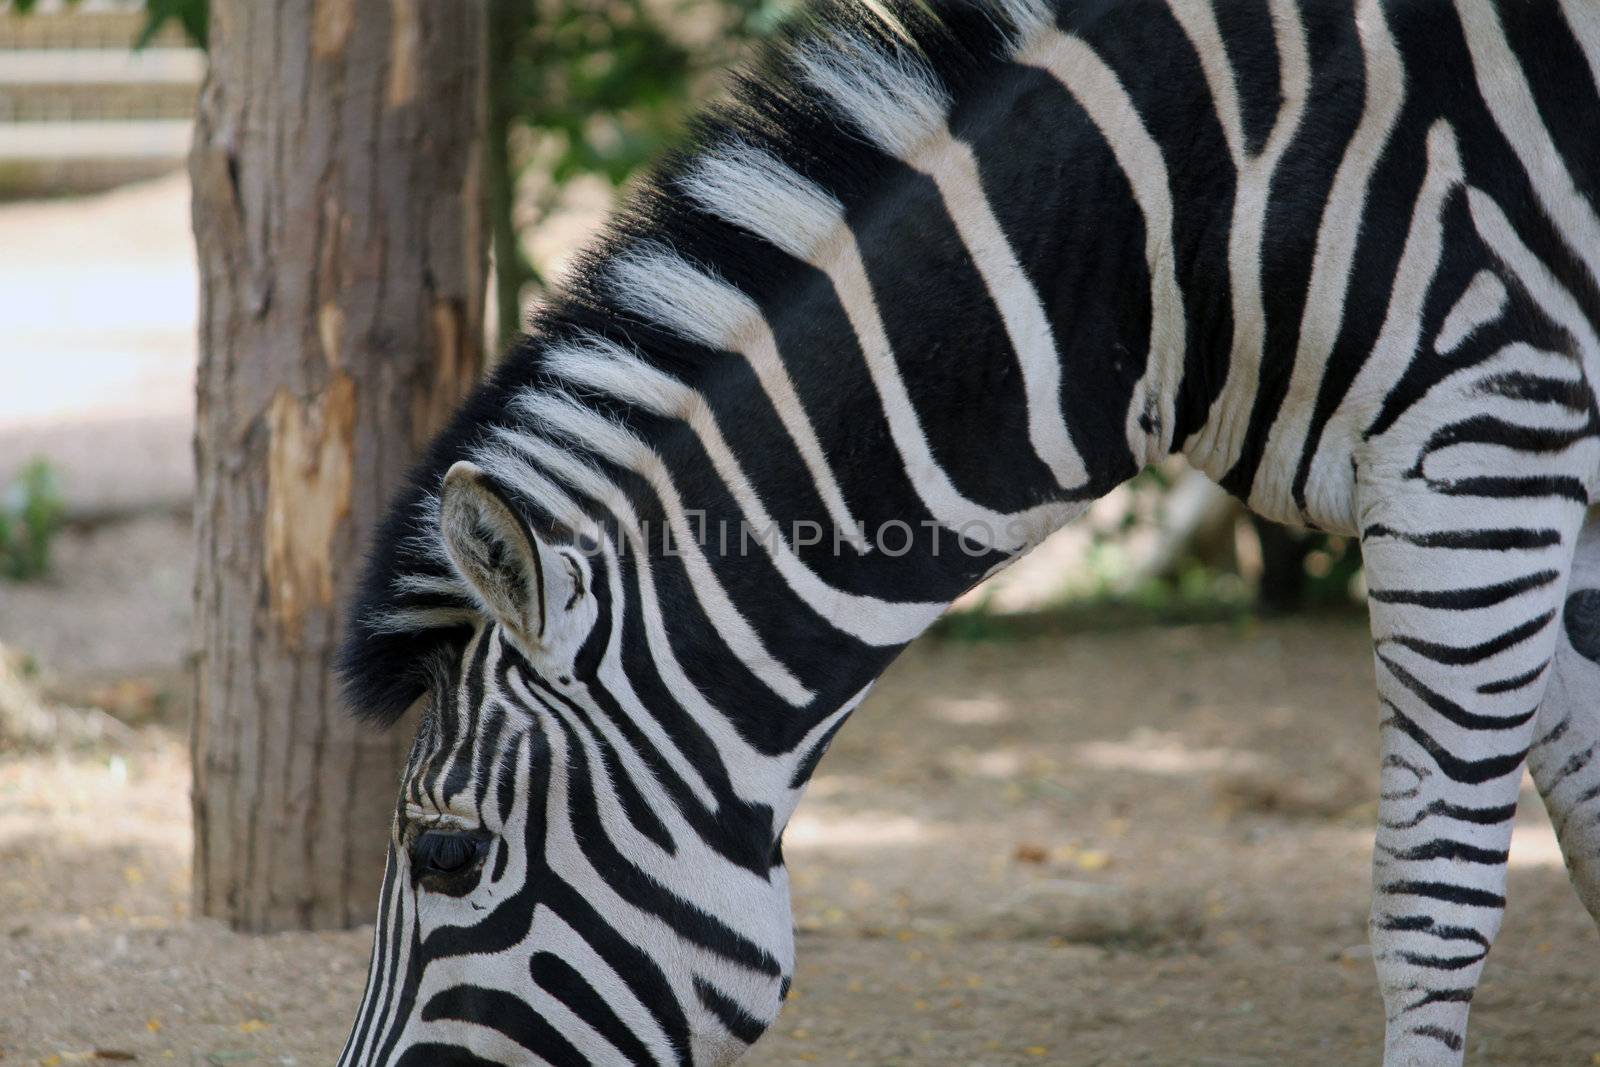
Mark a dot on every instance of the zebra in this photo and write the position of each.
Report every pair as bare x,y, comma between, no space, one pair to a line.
934,277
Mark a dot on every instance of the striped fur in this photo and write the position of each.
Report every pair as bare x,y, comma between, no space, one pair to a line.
937,277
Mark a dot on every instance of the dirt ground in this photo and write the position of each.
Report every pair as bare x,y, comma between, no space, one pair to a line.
1138,847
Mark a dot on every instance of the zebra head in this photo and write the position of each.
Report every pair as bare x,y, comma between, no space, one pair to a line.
544,900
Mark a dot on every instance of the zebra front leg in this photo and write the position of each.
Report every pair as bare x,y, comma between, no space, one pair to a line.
1463,596
1565,758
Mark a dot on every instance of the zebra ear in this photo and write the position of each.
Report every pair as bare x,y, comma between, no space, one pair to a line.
525,584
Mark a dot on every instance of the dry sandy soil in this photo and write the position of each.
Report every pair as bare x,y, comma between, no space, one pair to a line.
1142,847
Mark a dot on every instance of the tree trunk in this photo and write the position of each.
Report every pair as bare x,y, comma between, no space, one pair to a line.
509,21
1282,589
338,215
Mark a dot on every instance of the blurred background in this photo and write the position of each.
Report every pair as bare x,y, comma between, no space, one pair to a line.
1115,808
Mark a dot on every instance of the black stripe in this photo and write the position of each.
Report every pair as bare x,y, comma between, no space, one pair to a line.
1443,963
379,993
1502,433
1536,486
1449,709
1443,848
1576,763
740,1023
1461,655
1426,924
1468,599
561,981
808,764
507,1014
638,971
1570,393
1442,996
1501,540
1464,895
638,888
1581,617
467,734
435,1055
1448,1038
1515,682
633,803
1466,771
1444,809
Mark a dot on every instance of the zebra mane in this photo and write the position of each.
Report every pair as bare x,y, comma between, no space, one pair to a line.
806,134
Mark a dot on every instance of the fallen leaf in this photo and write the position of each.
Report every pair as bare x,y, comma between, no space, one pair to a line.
1031,854
1093,861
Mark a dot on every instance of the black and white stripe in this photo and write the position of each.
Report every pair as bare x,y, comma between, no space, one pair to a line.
937,278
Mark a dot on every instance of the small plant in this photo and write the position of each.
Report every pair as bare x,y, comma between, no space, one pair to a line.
30,516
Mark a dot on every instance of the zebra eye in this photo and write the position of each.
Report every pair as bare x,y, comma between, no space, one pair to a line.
444,852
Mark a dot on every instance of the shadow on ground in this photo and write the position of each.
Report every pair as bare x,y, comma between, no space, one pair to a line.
1143,847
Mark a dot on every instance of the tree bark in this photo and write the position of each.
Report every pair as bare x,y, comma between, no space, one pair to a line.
1282,589
338,216
509,21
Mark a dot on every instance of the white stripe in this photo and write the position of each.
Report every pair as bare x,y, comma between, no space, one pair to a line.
1337,237
595,432
355,1053
749,771
1327,487
1099,92
460,746
757,192
607,368
1199,24
1535,277
667,288
784,808
566,856
685,873
1505,89
1480,303
483,1041
432,585
412,620
895,100
954,171
397,955
1217,444
1001,531
557,937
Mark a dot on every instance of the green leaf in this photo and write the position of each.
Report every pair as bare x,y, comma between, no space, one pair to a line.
193,16
30,516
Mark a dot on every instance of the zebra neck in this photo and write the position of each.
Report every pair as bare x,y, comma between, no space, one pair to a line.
853,360
824,409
